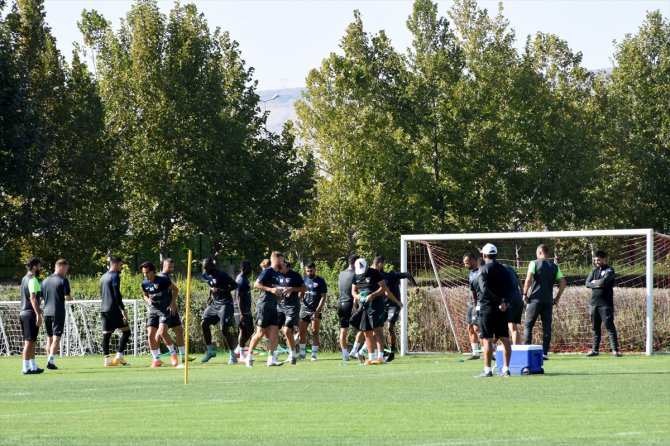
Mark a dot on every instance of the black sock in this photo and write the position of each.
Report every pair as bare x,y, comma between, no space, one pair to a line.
125,335
106,337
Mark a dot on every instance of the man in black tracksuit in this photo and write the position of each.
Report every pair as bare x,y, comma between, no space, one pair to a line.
601,309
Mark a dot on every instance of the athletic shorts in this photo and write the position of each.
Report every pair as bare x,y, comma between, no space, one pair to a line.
289,315
344,312
375,316
173,320
111,320
266,315
54,325
29,326
471,317
157,317
493,324
392,313
222,315
514,311
244,323
308,315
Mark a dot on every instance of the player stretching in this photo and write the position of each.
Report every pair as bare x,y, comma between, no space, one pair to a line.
220,310
267,318
471,315
290,284
392,304
113,312
56,290
368,288
314,300
174,321
242,303
345,304
30,315
160,294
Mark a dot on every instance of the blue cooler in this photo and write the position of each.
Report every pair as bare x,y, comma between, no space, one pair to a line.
525,360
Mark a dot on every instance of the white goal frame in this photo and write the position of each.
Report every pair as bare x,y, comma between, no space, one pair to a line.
649,284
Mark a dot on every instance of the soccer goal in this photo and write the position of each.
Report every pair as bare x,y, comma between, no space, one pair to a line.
433,317
83,329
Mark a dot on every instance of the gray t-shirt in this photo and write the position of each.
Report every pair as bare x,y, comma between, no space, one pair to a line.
54,289
344,282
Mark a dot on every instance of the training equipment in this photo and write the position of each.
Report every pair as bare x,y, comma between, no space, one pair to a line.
525,360
83,329
434,312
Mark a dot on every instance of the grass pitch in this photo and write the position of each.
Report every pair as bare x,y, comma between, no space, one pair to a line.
427,400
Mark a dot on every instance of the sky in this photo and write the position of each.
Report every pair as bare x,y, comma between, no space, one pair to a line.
284,39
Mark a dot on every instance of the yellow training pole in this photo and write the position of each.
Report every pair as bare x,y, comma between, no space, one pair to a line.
188,311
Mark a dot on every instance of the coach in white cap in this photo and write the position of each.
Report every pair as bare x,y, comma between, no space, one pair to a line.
494,287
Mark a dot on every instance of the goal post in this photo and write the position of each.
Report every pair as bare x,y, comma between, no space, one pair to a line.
640,257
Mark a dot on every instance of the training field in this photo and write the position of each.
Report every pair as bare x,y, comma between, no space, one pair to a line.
428,400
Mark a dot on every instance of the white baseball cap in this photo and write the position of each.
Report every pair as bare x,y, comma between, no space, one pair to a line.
360,266
489,249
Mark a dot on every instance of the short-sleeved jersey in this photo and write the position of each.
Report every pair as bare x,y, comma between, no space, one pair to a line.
344,282
515,294
545,273
369,281
290,279
494,285
54,289
220,286
29,284
110,291
268,277
159,292
316,288
243,295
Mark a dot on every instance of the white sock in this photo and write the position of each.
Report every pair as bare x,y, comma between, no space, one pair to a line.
374,355
363,349
51,359
355,348
156,354
504,369
345,353
237,349
119,355
303,349
171,349
232,353
271,357
488,369
315,348
26,365
475,348
108,359
274,355
242,353
182,350
381,355
33,364
210,347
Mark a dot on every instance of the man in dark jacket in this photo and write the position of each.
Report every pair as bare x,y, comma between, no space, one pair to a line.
601,309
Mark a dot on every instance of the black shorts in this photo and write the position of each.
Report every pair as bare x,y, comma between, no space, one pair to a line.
173,321
244,323
344,312
514,311
111,320
392,313
493,324
471,317
289,315
308,315
266,315
29,326
222,315
375,316
54,325
157,317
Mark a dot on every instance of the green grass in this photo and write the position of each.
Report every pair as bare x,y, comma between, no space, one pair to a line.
417,400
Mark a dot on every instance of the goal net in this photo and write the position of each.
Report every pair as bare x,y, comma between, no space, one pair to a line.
83,329
433,318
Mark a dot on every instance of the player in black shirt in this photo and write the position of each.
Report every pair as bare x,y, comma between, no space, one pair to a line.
160,295
368,290
174,321
494,288
113,312
471,262
56,290
220,310
601,309
345,304
392,302
30,315
242,303
313,302
291,285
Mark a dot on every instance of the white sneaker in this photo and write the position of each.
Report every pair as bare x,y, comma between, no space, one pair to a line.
302,356
354,355
345,357
249,361
274,363
313,357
